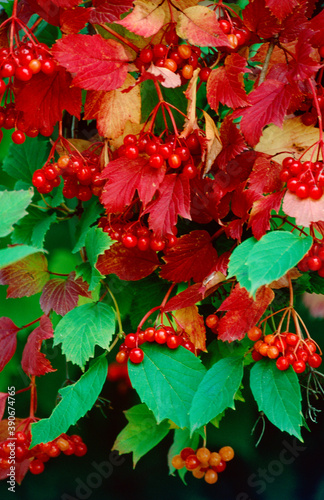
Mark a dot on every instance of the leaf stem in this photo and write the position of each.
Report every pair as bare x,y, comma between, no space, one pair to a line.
120,37
266,63
33,397
121,331
29,324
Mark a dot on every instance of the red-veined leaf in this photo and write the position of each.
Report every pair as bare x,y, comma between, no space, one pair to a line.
187,298
199,25
193,256
259,19
33,361
45,9
109,11
8,340
193,324
3,401
260,213
73,20
243,312
232,141
303,65
62,295
264,177
129,264
103,65
25,277
281,9
65,4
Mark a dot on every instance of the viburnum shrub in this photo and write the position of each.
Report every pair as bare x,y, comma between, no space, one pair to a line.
180,146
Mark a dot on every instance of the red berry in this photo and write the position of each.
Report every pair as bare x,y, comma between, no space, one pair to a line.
292,184
160,50
225,26
302,355
256,356
149,334
39,180
23,73
165,150
254,333
192,462
35,66
131,152
295,167
292,339
186,452
80,450
84,193
204,74
316,192
321,51
121,357
220,467
129,240
136,355
157,245
156,161
314,263
282,363
190,171
146,55
212,321
143,243
174,161
299,366
315,360
3,87
18,137
130,139
36,466
48,66
130,340
8,70
151,148
173,341
161,336
21,437
171,37
302,191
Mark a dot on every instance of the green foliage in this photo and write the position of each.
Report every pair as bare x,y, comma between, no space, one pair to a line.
278,396
141,433
81,329
32,229
89,216
76,400
167,381
238,262
96,243
181,439
14,254
24,159
12,209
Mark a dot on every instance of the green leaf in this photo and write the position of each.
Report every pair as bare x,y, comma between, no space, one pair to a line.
12,208
238,262
24,159
76,400
273,255
216,391
181,440
218,350
89,274
96,242
81,329
146,294
32,229
166,381
141,434
11,255
278,396
89,216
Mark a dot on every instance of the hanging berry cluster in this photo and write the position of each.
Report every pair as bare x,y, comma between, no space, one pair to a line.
16,449
314,260
203,463
305,180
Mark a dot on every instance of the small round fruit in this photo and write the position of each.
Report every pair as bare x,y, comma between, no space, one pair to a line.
173,341
161,336
203,454
171,65
256,356
192,462
62,444
48,66
299,366
204,74
121,357
146,55
35,66
273,352
282,363
149,334
226,453
214,459
316,192
187,71
80,450
185,452
18,137
233,40
157,245
314,263
129,240
190,171
212,321
315,360
302,191
178,462
211,476
198,473
174,161
136,355
36,466
254,333
131,340
225,26
23,73
184,51
156,160
221,466
292,339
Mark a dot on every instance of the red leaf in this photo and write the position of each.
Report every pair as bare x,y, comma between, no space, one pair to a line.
73,20
204,200
259,19
236,171
199,25
222,263
109,11
317,25
187,298
8,340
194,326
25,277
269,105
63,295
260,213
304,210
225,84
129,264
65,4
45,97
243,312
33,361
294,24
21,469
234,229
3,401
193,256
125,177
173,200
103,65
303,66
281,9
47,10
264,177
232,141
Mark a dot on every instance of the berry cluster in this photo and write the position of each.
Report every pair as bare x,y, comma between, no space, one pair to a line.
19,65
16,450
305,180
81,176
172,153
212,322
203,463
310,115
162,335
134,234
118,372
313,260
287,348
235,31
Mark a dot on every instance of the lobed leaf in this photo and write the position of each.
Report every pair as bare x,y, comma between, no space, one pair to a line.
25,277
8,340
62,295
12,209
34,362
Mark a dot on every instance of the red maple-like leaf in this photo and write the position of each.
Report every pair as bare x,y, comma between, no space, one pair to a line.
129,264
232,141
3,401
317,25
205,198
281,9
306,211
8,340
103,65
187,298
258,18
225,84
109,11
294,23
73,20
173,200
33,361
193,256
200,26
222,263
62,295
65,4
269,102
260,213
45,97
303,66
125,177
25,277
236,171
243,312
193,324
46,9
264,177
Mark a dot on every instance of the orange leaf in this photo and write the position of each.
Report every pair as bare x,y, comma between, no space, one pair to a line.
193,324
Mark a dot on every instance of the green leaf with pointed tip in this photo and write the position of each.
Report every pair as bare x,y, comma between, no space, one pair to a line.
96,242
24,159
81,329
238,262
216,391
278,395
89,274
89,216
12,208
141,434
273,255
166,381
11,255
76,400
32,229
181,440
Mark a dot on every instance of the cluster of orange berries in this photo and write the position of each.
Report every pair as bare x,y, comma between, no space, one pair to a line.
203,463
287,348
81,175
16,449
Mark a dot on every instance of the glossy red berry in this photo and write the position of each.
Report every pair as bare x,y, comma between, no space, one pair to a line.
129,240
174,161
254,333
3,87
39,179
315,360
157,245
136,355
314,263
149,334
143,243
192,462
160,50
18,137
36,466
204,74
131,340
23,73
131,152
146,55
212,321
48,66
292,339
161,336
299,366
282,363
80,450
156,160
302,191
190,171
173,341
315,192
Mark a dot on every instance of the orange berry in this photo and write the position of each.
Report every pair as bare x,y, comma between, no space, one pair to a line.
62,444
273,352
269,339
258,344
254,333
198,473
63,161
263,349
203,454
184,51
214,459
227,453
171,65
177,462
211,476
